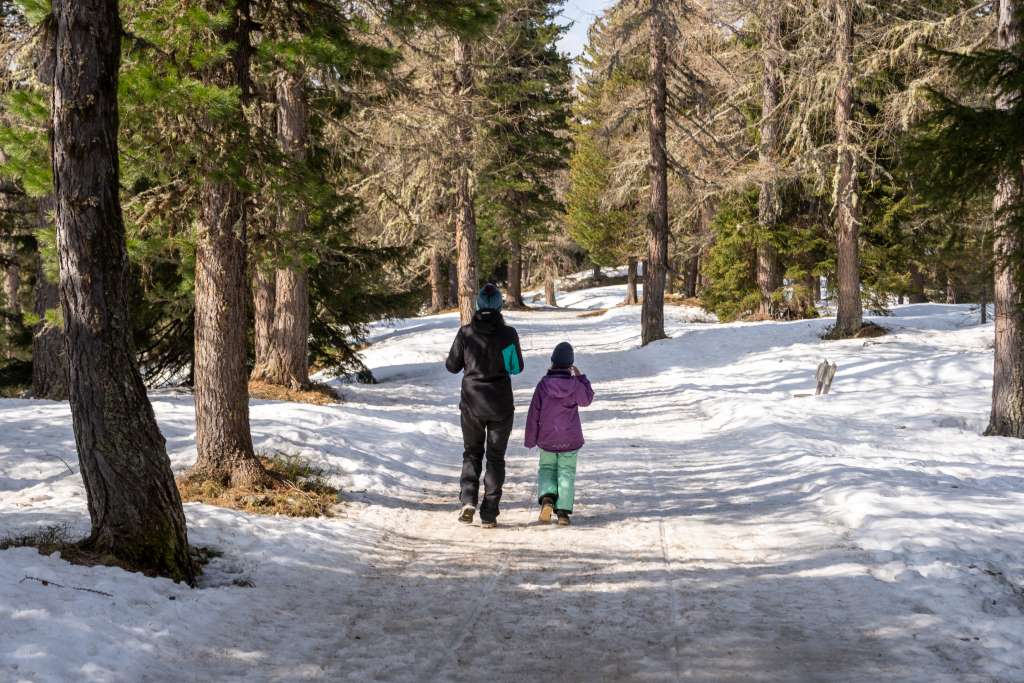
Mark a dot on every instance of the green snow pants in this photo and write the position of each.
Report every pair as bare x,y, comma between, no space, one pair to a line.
556,478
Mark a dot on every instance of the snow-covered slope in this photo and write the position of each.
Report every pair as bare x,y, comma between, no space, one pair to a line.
729,528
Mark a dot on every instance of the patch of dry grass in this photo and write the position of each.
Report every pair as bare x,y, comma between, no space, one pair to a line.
680,300
868,330
300,490
597,312
317,394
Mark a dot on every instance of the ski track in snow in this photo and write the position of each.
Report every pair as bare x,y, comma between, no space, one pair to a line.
725,530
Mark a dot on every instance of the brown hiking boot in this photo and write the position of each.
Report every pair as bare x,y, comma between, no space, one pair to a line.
547,508
563,518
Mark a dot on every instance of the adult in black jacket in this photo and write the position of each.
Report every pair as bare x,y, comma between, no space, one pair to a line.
487,351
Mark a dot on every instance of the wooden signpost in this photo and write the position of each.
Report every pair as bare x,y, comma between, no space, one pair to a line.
826,373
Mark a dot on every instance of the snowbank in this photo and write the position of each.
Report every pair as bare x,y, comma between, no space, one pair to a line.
729,526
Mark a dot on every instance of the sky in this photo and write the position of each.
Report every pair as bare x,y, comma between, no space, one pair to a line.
582,13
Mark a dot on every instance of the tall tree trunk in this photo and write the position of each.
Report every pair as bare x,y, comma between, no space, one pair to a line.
810,299
984,304
1007,418
49,361
287,362
952,293
671,273
437,282
849,311
692,274
12,282
652,316
643,272
515,272
703,281
769,267
134,506
596,276
453,283
549,281
465,216
816,289
264,293
289,351
917,295
11,285
223,439
631,297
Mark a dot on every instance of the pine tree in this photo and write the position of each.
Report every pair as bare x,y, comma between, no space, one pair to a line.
134,505
652,315
527,88
604,213
286,356
769,268
222,173
1007,418
849,313
972,136
602,231
463,93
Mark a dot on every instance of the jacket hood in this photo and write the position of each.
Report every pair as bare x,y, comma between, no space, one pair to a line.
559,384
487,321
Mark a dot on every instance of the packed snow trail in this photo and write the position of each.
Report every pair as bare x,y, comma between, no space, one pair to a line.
724,530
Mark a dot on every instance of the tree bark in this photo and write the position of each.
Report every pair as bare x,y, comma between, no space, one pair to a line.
223,439
12,282
692,274
1007,417
134,506
49,361
11,285
984,304
917,295
437,282
264,293
810,299
652,316
849,311
952,293
287,362
515,273
769,209
631,297
453,283
643,270
596,276
549,281
465,216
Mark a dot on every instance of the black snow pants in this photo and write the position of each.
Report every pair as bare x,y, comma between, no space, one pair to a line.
480,436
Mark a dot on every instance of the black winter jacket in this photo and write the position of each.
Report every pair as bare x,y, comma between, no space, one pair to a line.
488,351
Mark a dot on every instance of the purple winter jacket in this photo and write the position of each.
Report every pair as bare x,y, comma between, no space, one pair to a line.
553,422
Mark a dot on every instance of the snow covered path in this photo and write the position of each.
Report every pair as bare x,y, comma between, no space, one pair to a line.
725,531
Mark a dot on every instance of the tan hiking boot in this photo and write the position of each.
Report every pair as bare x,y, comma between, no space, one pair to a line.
546,510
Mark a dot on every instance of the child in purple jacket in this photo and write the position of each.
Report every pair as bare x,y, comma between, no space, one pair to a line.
553,423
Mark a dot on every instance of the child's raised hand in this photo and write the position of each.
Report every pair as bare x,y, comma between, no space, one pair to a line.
575,371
